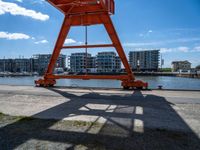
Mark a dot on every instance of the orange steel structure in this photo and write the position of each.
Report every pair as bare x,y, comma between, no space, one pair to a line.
86,13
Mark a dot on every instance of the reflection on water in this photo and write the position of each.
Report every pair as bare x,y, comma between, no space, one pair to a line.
154,81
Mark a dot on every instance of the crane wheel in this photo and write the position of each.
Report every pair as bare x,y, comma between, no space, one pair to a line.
126,87
45,82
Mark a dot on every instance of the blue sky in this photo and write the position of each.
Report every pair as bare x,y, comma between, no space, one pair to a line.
30,27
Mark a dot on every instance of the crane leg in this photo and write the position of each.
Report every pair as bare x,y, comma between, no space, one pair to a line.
47,80
131,82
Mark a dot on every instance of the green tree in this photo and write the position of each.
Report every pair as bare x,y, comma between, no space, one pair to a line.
166,70
198,67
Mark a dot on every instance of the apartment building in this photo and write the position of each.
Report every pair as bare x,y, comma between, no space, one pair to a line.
145,60
38,63
15,65
182,66
102,62
108,62
6,65
80,61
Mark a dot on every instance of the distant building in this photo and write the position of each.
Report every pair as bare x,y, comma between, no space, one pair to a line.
181,66
6,65
79,62
15,65
147,60
21,65
108,62
103,62
118,65
92,65
40,62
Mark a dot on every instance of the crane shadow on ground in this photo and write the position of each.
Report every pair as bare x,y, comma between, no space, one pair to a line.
134,121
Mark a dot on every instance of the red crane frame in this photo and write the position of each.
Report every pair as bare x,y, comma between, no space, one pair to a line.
86,13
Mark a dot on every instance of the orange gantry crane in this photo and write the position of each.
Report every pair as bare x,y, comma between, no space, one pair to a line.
86,13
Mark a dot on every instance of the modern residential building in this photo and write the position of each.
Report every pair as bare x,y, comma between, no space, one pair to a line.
15,65
145,60
40,62
80,61
6,65
21,65
118,65
103,62
92,65
181,66
108,62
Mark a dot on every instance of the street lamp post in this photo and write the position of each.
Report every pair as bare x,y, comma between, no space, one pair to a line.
4,65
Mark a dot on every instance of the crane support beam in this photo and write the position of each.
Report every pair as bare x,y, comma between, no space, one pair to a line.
88,46
59,44
115,39
88,77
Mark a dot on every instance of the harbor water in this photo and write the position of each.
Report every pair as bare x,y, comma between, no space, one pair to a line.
154,82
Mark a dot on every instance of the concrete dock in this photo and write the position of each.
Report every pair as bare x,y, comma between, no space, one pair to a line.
161,119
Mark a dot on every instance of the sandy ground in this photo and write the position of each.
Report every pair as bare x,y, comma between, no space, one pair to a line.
70,118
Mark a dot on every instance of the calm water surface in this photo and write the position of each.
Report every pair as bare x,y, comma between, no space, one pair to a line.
154,81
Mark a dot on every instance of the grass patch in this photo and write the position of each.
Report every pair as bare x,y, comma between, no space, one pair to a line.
65,122
25,118
1,115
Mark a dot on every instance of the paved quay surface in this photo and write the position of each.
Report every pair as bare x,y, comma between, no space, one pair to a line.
171,118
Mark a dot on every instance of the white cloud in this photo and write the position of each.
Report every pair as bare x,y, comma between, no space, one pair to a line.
20,1
41,42
146,34
13,36
14,9
38,1
141,44
80,43
197,49
166,50
141,34
176,49
70,41
185,40
183,49
157,43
